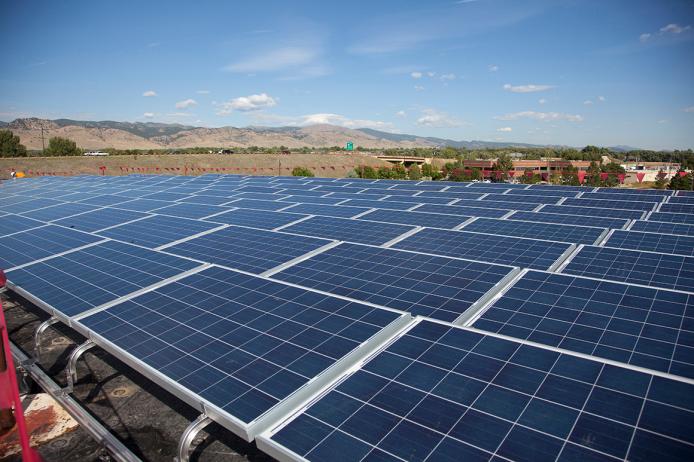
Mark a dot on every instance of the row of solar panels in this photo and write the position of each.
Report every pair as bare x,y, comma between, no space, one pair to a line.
211,334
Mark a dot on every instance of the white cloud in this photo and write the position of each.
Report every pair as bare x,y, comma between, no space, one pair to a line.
644,37
419,88
445,77
542,101
274,60
527,88
150,93
148,115
416,75
674,29
436,119
401,114
601,99
203,92
504,129
663,121
247,103
431,74
320,118
587,102
540,116
180,114
186,103
493,68
689,109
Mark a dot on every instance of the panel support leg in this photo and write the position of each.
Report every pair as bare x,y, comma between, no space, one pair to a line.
37,336
71,369
189,435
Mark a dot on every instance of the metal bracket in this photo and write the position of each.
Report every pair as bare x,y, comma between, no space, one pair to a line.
189,435
37,336
71,369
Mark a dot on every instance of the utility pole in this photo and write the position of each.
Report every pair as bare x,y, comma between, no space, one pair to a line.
43,141
279,167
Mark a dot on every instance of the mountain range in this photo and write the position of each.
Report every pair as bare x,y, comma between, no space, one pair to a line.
152,135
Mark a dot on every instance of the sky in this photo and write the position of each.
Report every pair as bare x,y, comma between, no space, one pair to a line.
568,72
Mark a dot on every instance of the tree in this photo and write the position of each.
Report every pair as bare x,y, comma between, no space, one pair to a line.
414,173
569,176
682,181
302,171
398,172
503,164
366,172
430,171
10,146
385,173
62,147
660,180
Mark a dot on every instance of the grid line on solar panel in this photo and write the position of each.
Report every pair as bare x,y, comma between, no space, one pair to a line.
338,211
261,219
100,219
258,204
593,211
157,230
80,280
654,242
11,224
677,208
671,217
480,211
430,220
441,393
368,204
437,287
247,249
345,229
28,206
540,217
418,199
622,197
514,251
328,200
553,232
662,227
636,266
534,199
611,204
641,326
499,205
190,210
141,205
104,200
240,342
37,243
681,200
56,212
637,192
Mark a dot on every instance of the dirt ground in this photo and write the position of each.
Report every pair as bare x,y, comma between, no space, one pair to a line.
146,418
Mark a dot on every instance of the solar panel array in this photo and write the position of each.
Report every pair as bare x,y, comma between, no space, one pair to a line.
350,319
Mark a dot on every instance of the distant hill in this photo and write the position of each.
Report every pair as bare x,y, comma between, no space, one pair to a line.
152,135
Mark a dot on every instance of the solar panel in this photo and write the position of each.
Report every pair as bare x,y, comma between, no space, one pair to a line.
260,196
165,196
651,328
547,192
440,393
463,211
541,217
33,244
610,204
262,219
681,200
157,230
344,229
77,281
141,205
621,197
104,200
239,343
637,192
505,205
330,200
675,208
418,186
419,199
515,251
655,242
258,204
206,199
189,210
28,206
592,212
451,195
251,250
648,268
672,217
363,196
339,211
438,287
99,219
553,232
531,198
389,205
431,220
10,224
665,228
56,212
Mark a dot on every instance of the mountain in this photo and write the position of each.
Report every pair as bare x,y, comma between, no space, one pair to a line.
151,135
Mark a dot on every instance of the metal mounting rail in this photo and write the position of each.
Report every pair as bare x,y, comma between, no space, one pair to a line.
92,426
71,369
37,336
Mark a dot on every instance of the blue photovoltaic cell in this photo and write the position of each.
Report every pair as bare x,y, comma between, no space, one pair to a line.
16,223
638,192
678,208
672,217
609,204
622,197
56,212
526,253
681,200
654,242
37,243
251,250
242,343
104,200
442,393
547,187
262,219
552,232
548,192
651,328
189,210
344,229
438,287
665,228
593,212
99,219
338,211
351,195
390,205
261,196
419,186
451,195
258,204
157,230
28,206
540,217
648,268
431,220
419,199
531,198
480,211
141,205
506,206
78,281
165,196
312,200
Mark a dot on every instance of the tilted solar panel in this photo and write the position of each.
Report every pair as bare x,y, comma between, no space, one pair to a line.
677,208
662,227
56,212
552,232
593,211
157,230
431,220
339,211
480,211
654,242
343,229
10,224
390,205
610,204
99,219
672,217
261,219
190,210
541,217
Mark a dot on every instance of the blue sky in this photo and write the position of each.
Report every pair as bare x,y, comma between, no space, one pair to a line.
571,72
